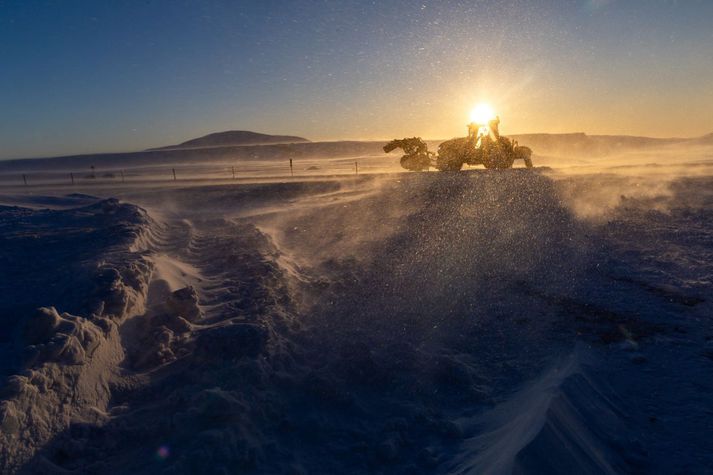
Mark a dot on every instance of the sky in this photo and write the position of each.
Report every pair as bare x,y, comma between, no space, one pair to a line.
85,76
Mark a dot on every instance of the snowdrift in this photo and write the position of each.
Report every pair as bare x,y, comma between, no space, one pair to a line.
57,366
483,322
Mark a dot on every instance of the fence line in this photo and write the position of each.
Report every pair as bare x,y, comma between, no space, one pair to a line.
191,172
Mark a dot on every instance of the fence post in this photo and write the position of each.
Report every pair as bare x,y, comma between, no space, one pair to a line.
71,177
291,172
174,173
122,175
356,167
233,168
24,179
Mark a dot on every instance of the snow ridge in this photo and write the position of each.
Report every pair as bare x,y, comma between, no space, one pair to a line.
68,359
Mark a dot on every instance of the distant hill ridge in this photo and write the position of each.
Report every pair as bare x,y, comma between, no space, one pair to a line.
706,139
581,144
562,144
234,137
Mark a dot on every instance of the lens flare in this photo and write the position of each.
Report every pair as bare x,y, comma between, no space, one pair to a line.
482,114
163,452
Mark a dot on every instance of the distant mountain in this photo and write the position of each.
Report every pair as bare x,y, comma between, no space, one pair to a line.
581,144
705,140
234,137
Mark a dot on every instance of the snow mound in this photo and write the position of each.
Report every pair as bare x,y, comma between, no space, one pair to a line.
62,339
58,366
562,422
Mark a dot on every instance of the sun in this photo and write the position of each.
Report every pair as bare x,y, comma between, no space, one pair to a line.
482,114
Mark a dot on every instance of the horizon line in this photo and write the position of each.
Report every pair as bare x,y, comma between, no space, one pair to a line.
165,148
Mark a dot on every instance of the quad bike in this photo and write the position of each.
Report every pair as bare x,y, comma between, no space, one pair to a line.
483,146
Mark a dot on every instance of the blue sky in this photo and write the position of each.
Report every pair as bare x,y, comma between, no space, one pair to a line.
91,76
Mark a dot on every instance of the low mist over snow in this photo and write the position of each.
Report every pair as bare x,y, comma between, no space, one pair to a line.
575,152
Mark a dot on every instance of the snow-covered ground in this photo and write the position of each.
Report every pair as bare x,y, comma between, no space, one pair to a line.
538,321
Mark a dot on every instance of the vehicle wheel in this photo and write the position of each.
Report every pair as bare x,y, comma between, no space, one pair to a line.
449,163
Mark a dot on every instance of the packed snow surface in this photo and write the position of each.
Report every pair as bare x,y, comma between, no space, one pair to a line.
516,321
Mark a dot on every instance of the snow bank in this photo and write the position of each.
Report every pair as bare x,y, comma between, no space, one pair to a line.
77,258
